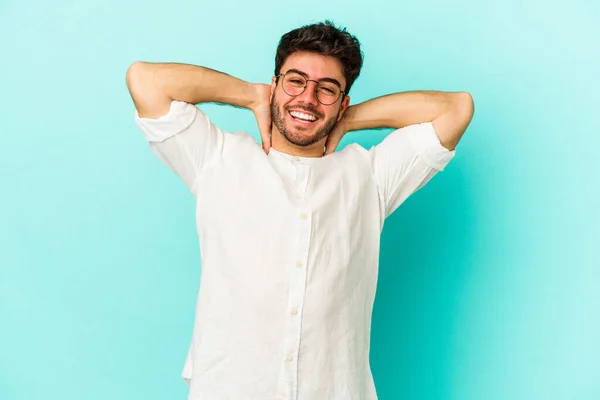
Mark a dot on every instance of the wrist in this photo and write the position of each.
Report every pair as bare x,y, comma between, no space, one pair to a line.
348,121
259,95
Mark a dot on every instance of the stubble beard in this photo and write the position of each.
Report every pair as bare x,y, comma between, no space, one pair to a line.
296,137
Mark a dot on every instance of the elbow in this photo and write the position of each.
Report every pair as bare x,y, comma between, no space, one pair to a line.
452,125
148,97
140,82
134,73
136,66
465,103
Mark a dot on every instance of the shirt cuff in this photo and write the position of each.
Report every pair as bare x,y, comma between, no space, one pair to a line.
179,118
427,144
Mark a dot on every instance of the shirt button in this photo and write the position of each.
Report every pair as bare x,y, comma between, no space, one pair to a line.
296,158
289,358
295,311
296,195
299,264
303,216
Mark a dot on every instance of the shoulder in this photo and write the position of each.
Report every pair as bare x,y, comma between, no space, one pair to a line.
353,153
241,144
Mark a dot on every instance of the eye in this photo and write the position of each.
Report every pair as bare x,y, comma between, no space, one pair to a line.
327,90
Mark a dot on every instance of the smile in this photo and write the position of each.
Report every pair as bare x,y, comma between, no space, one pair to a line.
303,117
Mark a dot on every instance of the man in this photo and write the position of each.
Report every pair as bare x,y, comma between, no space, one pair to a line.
289,234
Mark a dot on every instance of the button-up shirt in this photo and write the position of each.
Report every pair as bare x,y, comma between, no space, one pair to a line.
289,255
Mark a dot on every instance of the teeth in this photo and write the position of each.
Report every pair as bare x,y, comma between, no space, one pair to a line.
301,115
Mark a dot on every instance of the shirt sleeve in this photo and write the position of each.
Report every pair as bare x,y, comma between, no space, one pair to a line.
184,140
405,161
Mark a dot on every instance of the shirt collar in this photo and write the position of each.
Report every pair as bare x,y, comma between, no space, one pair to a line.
292,158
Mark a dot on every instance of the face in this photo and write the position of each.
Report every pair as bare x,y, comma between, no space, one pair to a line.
285,109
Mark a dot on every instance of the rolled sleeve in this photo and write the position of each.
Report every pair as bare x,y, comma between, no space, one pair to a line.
405,161
185,140
179,118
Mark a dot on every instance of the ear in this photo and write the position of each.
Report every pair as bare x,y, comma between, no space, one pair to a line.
344,107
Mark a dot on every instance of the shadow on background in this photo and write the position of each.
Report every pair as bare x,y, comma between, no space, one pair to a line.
423,267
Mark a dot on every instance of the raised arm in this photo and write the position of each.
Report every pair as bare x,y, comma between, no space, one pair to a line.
153,86
450,113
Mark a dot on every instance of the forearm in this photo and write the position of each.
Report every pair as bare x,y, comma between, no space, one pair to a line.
154,85
400,109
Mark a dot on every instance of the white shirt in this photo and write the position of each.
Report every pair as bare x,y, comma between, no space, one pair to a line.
289,253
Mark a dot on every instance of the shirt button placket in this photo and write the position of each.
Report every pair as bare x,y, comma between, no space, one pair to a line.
297,285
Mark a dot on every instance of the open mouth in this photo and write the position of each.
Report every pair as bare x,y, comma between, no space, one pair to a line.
302,117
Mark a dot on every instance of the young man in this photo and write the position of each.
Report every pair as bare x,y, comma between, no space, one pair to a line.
289,234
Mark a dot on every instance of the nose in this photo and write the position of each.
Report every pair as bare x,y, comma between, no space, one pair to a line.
309,95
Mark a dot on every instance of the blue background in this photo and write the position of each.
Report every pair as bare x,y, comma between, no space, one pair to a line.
489,276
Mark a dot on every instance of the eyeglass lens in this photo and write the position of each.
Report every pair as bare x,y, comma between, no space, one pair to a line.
294,84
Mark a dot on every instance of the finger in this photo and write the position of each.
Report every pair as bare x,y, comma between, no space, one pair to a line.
327,144
265,134
331,144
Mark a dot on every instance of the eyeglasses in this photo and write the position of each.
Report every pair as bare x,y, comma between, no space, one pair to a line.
294,85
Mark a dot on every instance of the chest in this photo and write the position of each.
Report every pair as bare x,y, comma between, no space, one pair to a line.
245,192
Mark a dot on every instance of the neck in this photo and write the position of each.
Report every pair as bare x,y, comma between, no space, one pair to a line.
281,144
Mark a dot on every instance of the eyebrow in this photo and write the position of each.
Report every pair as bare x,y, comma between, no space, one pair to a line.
304,74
